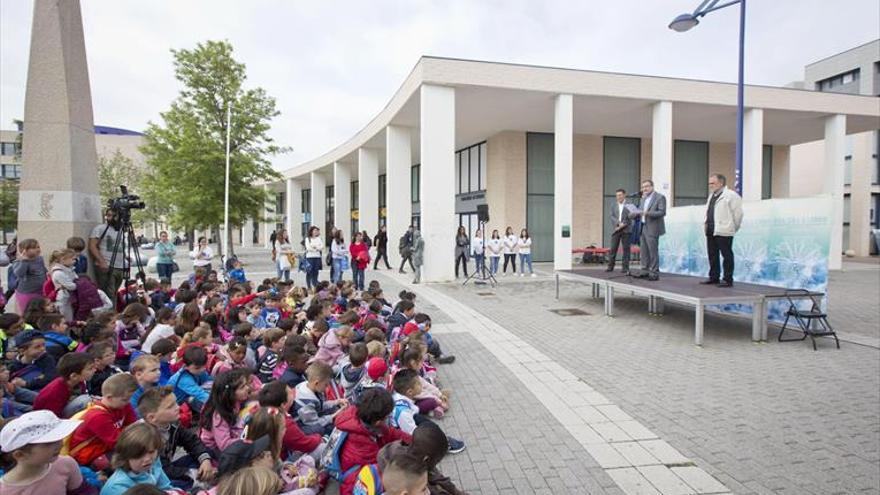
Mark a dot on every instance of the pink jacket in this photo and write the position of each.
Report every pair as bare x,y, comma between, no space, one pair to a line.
329,349
222,434
229,364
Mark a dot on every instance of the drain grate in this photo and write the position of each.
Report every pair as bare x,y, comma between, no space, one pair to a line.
569,312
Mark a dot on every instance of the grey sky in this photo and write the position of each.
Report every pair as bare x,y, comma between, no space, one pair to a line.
333,65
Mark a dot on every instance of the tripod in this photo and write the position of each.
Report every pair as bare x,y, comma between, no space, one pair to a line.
483,273
124,235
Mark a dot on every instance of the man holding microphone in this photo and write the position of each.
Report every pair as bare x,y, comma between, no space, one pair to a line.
723,218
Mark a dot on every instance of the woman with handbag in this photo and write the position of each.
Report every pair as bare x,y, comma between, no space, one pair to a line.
283,255
360,259
165,262
339,257
314,249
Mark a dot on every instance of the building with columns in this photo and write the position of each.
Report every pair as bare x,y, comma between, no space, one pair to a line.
545,148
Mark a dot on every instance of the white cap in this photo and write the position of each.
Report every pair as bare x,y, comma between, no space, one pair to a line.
35,427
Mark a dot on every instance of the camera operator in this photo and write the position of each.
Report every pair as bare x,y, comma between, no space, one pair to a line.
102,241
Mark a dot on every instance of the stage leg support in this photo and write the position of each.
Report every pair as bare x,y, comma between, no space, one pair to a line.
759,319
698,325
595,291
609,300
658,305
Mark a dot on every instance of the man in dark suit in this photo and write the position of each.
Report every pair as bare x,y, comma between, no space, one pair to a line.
653,226
621,229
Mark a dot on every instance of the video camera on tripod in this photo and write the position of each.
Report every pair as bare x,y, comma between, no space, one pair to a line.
126,241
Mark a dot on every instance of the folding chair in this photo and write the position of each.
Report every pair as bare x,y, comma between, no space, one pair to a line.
812,322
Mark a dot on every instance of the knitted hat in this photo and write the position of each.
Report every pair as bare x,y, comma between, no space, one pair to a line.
376,368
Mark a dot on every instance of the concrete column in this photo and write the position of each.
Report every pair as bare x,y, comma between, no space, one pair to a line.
368,190
661,150
398,170
563,153
835,153
58,197
342,192
247,233
437,142
860,193
319,198
294,210
753,154
268,224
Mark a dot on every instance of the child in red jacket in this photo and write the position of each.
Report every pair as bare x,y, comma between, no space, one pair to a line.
103,423
278,394
368,431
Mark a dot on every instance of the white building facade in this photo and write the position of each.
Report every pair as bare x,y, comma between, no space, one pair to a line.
545,149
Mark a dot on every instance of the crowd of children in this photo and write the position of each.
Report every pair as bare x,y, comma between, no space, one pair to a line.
216,388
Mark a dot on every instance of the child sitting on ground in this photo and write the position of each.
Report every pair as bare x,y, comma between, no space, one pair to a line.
220,426
431,400
249,333
235,354
164,350
164,329
130,330
430,444
55,331
237,272
189,382
273,342
10,325
277,394
406,414
145,370
103,354
136,461
297,362
333,344
33,368
159,408
314,414
367,428
103,422
405,474
352,372
33,442
74,370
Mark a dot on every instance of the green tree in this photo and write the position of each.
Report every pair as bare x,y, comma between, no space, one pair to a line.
114,171
187,150
8,205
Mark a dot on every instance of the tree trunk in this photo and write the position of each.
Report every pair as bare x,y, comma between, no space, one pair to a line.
230,243
191,237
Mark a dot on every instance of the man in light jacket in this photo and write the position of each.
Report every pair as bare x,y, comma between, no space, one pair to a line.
723,218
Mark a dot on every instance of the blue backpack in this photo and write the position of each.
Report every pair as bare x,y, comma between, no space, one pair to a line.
331,461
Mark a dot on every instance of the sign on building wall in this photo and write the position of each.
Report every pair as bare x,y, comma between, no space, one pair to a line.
782,243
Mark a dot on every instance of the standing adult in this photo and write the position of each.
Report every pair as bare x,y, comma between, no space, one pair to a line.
367,240
165,263
653,226
418,255
11,253
360,260
495,246
724,216
405,246
477,247
273,237
509,243
381,242
202,255
462,243
331,234
283,255
524,247
102,241
339,255
621,226
314,247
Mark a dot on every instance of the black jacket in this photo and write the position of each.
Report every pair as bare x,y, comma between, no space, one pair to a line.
381,241
189,441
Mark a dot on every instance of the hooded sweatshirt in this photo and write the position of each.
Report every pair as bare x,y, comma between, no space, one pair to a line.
329,349
363,443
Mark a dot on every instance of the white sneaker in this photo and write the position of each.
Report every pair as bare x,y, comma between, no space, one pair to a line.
522,274
533,275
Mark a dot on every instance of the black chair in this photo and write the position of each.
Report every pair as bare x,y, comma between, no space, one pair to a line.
812,322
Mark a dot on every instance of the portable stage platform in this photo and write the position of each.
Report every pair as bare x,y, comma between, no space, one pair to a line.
685,290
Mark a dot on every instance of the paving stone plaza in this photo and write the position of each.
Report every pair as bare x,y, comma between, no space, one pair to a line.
589,404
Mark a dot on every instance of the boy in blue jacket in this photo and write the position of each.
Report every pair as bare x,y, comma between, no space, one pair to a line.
189,383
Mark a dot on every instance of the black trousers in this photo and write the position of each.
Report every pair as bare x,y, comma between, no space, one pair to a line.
462,260
404,257
715,245
512,259
617,239
383,254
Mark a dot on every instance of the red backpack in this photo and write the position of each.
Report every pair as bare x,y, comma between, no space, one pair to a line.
49,290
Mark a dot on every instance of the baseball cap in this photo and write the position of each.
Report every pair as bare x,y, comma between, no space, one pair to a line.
376,368
35,427
240,453
24,338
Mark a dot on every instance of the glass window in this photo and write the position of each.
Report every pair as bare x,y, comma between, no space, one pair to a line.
307,200
484,164
539,196
847,209
415,187
355,195
8,148
539,157
622,162
463,173
691,172
475,169
279,203
767,172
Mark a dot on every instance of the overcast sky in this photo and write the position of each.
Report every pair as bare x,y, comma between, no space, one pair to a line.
333,65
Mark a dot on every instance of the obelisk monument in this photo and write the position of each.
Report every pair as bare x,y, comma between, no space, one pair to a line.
59,183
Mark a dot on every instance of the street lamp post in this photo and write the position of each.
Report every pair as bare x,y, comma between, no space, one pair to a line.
685,22
225,252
